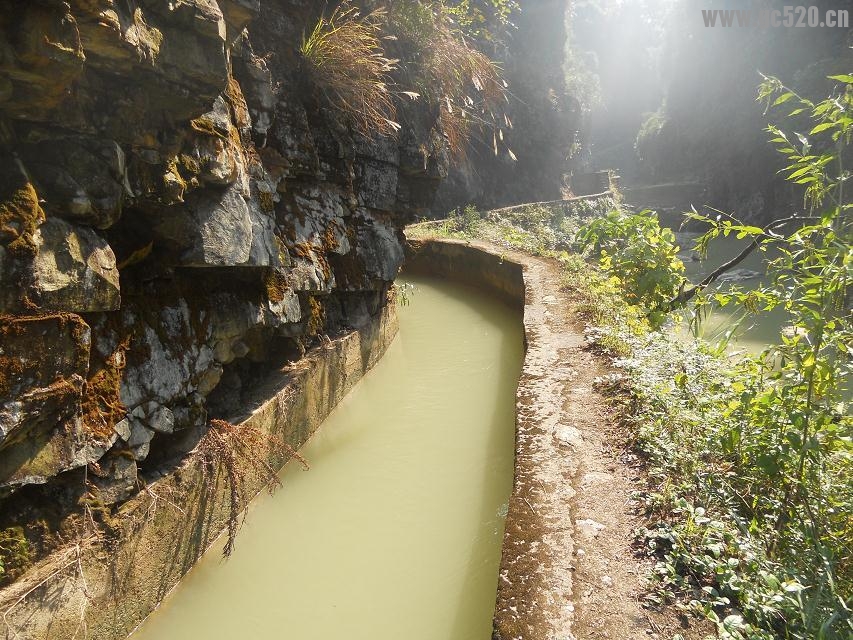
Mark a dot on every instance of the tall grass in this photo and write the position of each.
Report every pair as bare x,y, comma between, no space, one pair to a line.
466,87
346,60
346,57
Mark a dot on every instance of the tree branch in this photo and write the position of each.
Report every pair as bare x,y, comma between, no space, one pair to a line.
685,296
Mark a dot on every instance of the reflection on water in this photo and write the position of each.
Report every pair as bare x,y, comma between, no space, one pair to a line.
395,532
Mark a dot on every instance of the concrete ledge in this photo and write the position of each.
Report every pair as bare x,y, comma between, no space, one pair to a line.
102,590
470,265
535,596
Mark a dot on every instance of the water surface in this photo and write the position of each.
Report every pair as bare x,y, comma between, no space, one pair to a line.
395,532
752,332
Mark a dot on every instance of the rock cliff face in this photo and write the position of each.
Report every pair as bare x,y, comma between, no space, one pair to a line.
178,211
546,119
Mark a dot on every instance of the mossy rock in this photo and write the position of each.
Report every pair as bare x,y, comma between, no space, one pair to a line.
15,554
20,214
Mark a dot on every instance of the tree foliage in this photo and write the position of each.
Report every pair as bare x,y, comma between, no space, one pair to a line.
640,255
486,20
758,514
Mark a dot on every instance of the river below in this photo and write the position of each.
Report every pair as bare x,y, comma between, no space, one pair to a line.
396,530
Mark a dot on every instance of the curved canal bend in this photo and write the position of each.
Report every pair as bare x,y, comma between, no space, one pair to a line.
396,530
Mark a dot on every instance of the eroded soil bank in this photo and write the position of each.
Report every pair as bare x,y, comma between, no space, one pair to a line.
568,569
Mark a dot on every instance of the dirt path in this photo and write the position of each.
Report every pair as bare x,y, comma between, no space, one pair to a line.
568,570
575,490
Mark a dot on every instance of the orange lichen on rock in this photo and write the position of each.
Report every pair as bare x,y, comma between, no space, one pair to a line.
302,250
267,201
239,108
20,215
205,126
276,286
101,405
330,238
317,317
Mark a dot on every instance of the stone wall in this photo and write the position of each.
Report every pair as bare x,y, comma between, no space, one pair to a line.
179,213
102,588
459,262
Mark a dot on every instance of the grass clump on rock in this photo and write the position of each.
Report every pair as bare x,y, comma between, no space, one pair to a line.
347,62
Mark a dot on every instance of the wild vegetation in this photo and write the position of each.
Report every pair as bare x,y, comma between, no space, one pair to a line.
234,454
752,508
347,57
15,553
485,20
642,257
749,501
347,61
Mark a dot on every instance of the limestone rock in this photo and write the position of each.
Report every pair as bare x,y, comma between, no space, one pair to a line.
123,430
377,172
80,178
380,247
169,355
215,148
44,361
290,133
140,439
159,419
113,37
158,141
222,229
75,269
118,479
31,34
377,185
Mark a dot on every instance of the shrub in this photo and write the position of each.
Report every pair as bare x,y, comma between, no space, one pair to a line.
470,219
753,503
485,20
641,255
648,143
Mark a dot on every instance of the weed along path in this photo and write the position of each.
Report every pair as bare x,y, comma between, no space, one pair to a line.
568,569
395,531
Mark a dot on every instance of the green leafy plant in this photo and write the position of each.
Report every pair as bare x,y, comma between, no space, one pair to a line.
466,220
485,20
647,144
403,292
642,256
770,442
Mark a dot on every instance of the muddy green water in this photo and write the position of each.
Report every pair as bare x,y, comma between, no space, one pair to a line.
752,333
395,532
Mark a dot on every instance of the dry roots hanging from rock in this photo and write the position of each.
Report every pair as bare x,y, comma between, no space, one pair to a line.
241,453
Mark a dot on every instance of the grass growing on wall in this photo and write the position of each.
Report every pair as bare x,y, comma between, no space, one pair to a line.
346,59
